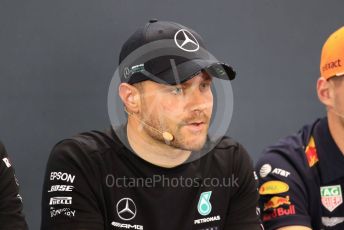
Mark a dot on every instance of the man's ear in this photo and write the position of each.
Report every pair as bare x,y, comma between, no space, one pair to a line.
325,92
130,97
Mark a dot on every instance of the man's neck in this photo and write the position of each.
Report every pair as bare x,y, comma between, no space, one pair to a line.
154,151
336,127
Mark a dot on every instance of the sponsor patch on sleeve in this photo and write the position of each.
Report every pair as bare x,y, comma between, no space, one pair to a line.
277,201
273,187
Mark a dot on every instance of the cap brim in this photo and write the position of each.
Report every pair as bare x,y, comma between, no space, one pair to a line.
186,70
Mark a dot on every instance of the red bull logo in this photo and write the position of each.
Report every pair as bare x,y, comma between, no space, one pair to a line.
311,153
276,202
279,212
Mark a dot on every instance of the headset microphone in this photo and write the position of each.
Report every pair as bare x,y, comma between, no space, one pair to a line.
168,137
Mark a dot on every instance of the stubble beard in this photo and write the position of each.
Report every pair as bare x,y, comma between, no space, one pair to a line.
179,140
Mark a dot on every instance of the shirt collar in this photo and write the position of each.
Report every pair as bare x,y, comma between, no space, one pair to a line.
331,159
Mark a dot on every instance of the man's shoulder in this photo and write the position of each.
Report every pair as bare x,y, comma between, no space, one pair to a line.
227,142
94,140
86,143
289,149
229,148
228,145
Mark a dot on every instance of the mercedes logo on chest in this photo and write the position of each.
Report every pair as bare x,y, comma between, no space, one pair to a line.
186,41
126,209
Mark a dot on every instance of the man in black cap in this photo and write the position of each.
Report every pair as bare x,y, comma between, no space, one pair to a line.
161,169
11,207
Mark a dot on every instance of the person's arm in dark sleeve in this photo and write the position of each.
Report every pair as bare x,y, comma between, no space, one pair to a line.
71,190
283,196
243,205
11,207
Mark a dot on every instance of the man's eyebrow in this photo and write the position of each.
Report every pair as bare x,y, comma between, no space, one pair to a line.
205,77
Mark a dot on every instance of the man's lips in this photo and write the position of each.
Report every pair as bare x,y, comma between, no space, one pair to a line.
196,122
196,126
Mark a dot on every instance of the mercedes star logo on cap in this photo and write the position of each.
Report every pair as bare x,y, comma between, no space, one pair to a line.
186,41
126,209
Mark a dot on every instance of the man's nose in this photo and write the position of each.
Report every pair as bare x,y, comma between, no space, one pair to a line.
199,100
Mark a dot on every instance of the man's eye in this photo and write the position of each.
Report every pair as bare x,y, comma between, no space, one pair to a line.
205,85
177,90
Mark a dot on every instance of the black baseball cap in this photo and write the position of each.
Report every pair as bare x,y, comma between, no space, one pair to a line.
167,52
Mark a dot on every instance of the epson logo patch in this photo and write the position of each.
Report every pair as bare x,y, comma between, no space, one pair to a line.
62,176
